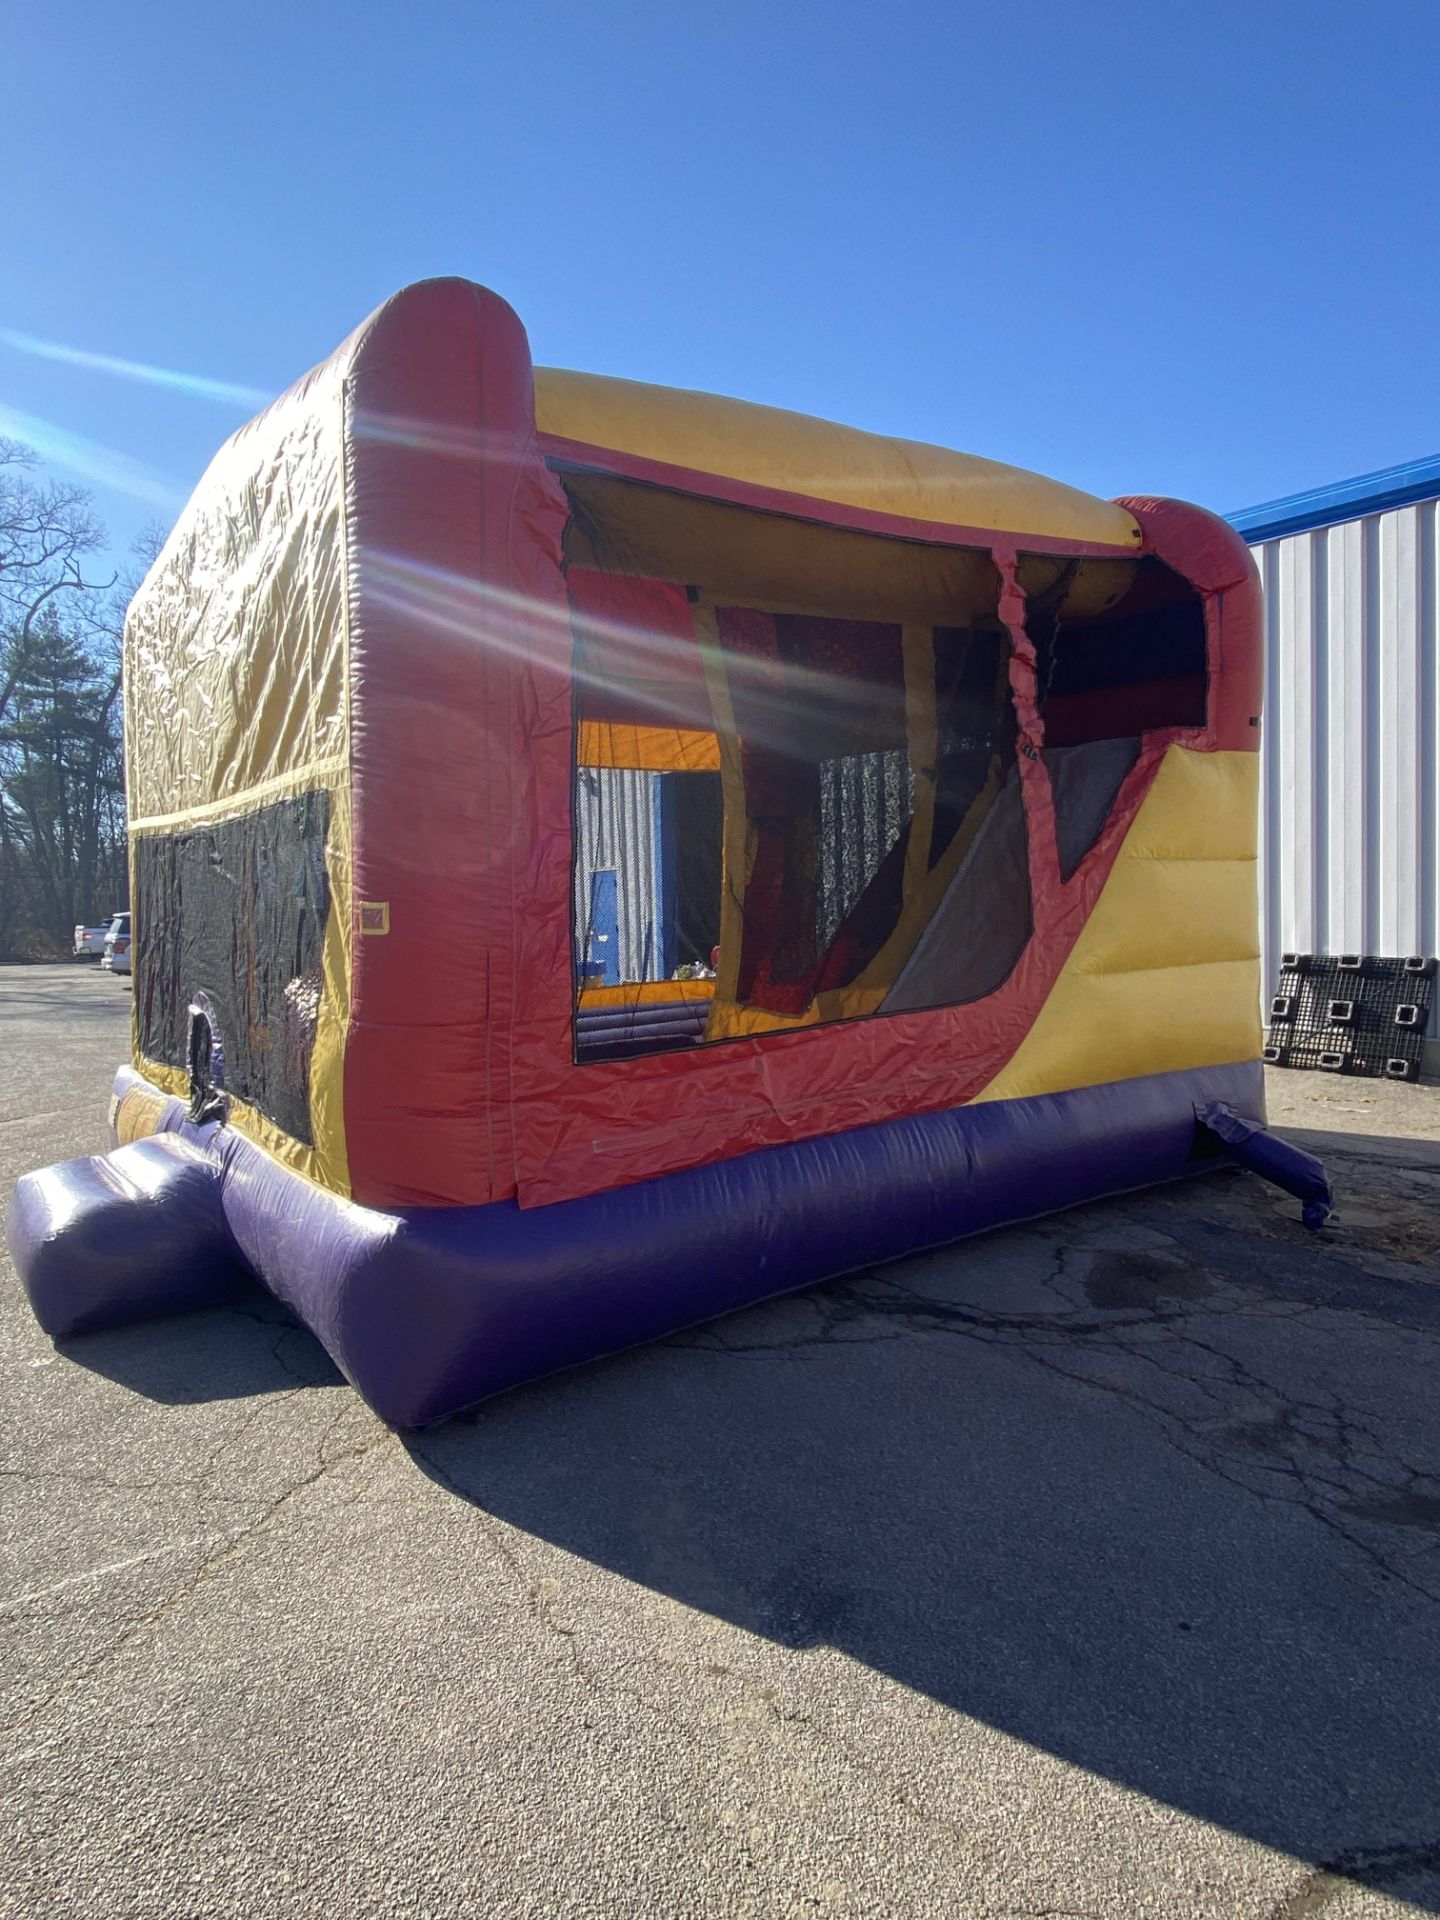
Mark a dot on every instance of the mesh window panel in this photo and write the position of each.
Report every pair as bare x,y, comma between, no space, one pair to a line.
1112,676
981,925
983,920
866,800
822,722
236,912
693,817
819,708
975,723
1085,781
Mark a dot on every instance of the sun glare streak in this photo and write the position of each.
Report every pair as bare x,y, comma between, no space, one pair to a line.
453,440
492,445
198,386
101,465
542,632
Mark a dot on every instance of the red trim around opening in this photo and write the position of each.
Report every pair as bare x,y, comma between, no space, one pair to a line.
605,1124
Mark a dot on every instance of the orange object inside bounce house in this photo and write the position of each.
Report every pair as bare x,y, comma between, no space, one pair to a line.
583,831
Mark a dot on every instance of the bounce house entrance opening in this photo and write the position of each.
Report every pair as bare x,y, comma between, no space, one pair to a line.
784,818
787,817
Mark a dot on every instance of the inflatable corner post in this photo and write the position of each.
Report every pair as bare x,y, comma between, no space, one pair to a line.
603,855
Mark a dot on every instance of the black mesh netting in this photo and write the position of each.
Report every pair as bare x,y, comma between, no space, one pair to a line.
819,707
1085,781
236,912
983,921
866,800
975,723
696,829
823,723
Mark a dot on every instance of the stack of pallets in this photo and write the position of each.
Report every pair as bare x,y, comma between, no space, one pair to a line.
1352,1013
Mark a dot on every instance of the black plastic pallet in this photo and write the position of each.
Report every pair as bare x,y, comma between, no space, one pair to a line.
1354,1013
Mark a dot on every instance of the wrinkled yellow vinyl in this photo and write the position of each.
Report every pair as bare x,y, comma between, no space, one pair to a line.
1166,973
236,692
792,453
235,675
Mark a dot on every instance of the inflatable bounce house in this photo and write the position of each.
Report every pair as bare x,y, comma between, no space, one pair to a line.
603,855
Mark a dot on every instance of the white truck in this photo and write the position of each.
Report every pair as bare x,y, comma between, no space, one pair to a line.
116,958
90,941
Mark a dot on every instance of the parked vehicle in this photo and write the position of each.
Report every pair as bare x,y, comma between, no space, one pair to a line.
90,941
117,945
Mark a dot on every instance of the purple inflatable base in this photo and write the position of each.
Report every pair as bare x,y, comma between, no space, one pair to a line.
427,1311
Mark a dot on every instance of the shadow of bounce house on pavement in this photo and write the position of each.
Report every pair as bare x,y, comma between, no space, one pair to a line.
1138,1487
1074,1485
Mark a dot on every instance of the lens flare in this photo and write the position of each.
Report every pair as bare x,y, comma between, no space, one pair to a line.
101,465
633,663
197,385
453,440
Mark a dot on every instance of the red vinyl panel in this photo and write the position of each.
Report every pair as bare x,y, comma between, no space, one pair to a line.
454,531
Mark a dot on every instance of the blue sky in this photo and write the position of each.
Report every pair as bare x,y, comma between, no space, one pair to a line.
1172,248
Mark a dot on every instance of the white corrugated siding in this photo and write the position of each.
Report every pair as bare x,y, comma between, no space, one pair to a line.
1350,824
615,828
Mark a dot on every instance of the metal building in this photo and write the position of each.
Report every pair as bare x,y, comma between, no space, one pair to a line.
619,877
1350,828
627,890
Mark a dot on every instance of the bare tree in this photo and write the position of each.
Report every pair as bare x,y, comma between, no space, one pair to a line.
47,528
62,794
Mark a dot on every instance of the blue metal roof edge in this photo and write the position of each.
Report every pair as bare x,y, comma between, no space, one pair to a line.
1345,500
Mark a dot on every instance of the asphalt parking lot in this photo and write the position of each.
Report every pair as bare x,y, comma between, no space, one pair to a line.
1088,1570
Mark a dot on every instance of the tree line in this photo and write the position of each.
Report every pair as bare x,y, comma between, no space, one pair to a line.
62,775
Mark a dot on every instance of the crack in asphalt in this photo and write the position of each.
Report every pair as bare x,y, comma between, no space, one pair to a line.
539,1603
228,1550
1043,1913
1166,1362
200,1483
1164,1358
81,1477
1379,1868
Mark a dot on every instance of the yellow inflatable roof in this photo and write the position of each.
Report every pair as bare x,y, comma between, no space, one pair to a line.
792,453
